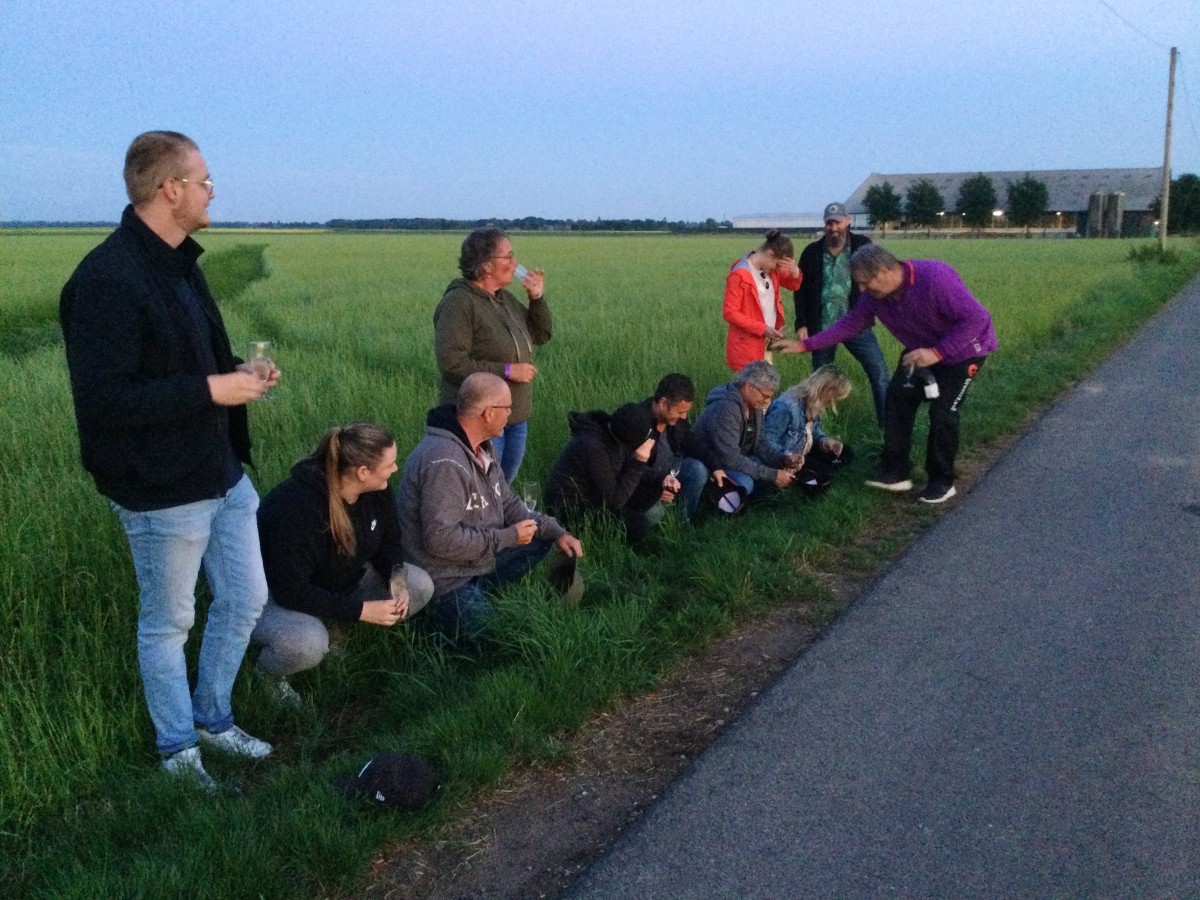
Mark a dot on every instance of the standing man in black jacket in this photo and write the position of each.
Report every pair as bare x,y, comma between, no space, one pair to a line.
827,292
160,402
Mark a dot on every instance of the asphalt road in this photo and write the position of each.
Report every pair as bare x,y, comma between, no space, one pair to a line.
1013,709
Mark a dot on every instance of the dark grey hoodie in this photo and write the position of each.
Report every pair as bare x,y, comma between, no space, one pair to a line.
456,513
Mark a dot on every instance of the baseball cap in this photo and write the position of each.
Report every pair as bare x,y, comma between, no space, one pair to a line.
563,574
728,499
835,211
398,780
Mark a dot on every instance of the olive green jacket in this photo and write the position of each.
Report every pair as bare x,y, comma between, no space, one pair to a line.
475,331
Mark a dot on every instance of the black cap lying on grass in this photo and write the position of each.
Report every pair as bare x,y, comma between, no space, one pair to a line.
728,499
562,572
397,780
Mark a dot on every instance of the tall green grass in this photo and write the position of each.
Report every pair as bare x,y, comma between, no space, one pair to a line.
82,810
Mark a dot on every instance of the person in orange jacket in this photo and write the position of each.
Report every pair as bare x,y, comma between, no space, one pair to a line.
752,306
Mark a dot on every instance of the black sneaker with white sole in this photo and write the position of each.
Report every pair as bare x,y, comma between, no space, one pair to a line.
937,493
895,483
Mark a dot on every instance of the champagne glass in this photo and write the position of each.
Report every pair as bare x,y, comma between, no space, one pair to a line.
398,583
262,360
531,494
676,463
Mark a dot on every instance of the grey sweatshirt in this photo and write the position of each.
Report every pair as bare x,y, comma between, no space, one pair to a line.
455,517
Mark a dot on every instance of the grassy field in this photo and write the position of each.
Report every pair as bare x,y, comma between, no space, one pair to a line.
82,810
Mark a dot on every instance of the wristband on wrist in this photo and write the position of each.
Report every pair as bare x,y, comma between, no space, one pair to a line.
507,370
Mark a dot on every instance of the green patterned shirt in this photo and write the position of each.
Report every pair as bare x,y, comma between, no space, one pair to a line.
835,288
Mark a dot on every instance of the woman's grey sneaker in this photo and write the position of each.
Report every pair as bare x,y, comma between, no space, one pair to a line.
285,695
937,493
236,742
891,483
186,764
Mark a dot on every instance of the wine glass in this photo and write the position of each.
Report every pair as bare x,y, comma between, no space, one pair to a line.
262,360
398,583
531,494
676,464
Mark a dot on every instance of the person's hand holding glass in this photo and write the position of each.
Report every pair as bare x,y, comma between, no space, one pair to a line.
389,612
533,280
251,380
671,485
261,360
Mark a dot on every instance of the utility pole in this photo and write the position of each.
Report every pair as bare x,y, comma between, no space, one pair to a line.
1166,188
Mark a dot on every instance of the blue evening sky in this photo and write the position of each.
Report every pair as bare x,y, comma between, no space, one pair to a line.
682,109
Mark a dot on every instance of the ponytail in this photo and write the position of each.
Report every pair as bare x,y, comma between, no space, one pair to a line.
342,450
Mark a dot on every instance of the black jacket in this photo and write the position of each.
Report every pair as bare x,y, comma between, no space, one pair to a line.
305,571
812,270
593,471
149,433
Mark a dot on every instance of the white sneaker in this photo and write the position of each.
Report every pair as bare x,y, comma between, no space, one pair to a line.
937,493
894,483
236,742
186,764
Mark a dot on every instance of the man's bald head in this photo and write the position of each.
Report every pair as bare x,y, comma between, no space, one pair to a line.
480,390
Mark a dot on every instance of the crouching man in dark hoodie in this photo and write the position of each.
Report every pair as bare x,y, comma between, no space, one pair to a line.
459,520
602,465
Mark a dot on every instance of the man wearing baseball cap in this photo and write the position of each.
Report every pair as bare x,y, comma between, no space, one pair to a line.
827,292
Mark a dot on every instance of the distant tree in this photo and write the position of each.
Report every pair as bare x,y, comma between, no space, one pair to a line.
976,200
1027,201
883,204
922,203
1184,214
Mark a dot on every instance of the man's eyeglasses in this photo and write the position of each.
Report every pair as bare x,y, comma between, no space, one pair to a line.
509,407
207,183
510,256
763,396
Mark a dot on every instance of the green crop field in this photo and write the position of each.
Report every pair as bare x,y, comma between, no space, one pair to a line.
83,811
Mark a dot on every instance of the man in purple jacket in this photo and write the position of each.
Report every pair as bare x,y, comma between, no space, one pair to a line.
946,334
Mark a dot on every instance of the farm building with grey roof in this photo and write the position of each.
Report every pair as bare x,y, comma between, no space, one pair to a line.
1069,190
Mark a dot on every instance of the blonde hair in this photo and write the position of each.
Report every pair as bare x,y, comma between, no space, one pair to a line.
342,450
822,390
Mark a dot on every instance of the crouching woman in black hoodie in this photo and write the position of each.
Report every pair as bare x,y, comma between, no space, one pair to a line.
330,540
601,466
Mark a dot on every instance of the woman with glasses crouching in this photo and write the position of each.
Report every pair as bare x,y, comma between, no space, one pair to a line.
330,539
479,326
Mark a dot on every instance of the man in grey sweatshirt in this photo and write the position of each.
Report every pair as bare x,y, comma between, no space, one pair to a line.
459,519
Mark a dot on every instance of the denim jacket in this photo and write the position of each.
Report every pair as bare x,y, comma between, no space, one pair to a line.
785,425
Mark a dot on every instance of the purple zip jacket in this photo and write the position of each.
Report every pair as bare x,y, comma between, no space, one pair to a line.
933,308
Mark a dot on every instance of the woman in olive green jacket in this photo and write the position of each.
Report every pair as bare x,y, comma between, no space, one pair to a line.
479,326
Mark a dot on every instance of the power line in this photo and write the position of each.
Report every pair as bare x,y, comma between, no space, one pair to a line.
1132,26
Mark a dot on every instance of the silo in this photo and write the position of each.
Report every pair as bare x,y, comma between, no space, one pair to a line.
1114,213
1095,219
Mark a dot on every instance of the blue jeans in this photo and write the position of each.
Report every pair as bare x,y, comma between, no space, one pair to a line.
168,547
510,449
693,475
466,610
865,348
